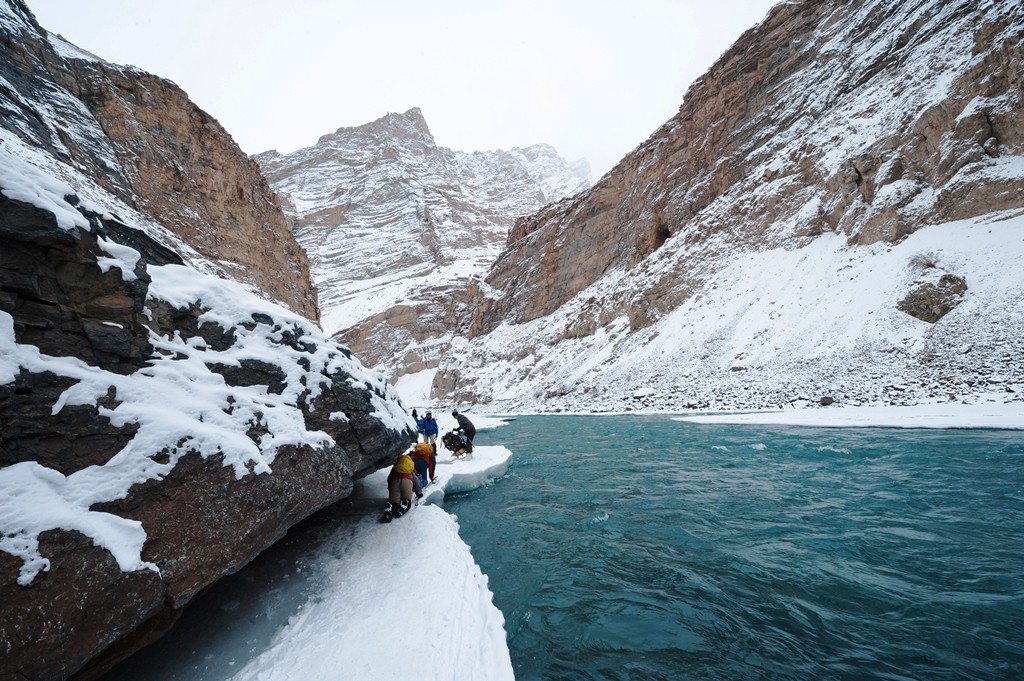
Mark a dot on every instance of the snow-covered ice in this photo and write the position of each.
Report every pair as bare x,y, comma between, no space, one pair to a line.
990,413
405,601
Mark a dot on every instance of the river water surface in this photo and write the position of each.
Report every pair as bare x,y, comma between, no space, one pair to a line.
640,547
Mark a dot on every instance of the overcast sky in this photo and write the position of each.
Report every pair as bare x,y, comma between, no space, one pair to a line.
593,78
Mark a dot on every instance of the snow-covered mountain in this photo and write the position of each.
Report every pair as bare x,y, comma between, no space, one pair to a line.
836,213
396,228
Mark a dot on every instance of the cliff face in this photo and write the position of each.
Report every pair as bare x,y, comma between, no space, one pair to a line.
159,425
397,227
139,137
867,119
184,167
867,122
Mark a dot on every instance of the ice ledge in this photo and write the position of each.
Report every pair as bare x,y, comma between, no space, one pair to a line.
988,412
411,580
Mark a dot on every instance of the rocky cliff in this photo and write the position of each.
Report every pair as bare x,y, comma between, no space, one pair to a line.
159,425
397,227
140,138
839,132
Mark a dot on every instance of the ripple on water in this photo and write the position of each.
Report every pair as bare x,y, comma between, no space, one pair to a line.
640,547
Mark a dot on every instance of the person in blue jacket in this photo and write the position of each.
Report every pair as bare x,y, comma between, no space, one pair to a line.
428,429
423,458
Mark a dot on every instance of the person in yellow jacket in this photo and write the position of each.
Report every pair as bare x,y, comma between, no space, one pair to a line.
402,484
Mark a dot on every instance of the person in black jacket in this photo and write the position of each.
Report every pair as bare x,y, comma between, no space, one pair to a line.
467,427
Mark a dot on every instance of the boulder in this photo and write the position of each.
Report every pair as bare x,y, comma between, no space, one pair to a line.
930,302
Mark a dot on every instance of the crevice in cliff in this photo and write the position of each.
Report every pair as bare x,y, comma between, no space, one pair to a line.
991,143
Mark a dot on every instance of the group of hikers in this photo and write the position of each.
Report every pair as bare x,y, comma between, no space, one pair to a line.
414,470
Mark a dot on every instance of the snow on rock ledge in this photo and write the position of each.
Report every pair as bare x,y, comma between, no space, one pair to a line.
159,427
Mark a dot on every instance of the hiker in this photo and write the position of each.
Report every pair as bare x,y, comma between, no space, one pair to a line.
423,459
467,428
402,484
416,418
428,428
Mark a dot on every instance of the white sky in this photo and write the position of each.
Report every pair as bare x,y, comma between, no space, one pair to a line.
594,78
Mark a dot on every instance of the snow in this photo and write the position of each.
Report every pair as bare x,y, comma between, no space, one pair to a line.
21,181
69,51
773,324
122,257
415,388
406,599
990,412
177,399
388,218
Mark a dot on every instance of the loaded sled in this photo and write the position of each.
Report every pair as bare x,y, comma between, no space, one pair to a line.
457,443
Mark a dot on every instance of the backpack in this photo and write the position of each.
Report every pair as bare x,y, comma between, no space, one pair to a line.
457,442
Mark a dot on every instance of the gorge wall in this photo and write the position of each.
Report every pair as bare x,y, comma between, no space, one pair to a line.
140,138
848,127
162,421
866,119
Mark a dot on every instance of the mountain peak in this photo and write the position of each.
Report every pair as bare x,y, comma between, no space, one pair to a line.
409,125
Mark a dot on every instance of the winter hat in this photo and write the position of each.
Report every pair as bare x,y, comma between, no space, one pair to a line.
455,412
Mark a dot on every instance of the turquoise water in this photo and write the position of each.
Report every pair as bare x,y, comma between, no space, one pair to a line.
646,548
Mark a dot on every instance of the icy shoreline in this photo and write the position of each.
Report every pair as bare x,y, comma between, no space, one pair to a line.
990,414
1006,416
406,600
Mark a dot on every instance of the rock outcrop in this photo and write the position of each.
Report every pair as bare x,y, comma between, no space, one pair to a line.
139,137
930,302
159,425
397,228
76,325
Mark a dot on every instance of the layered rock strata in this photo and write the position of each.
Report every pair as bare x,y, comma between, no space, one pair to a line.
868,119
140,138
79,326
162,420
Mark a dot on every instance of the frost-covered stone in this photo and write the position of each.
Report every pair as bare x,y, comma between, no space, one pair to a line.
138,137
134,473
931,302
